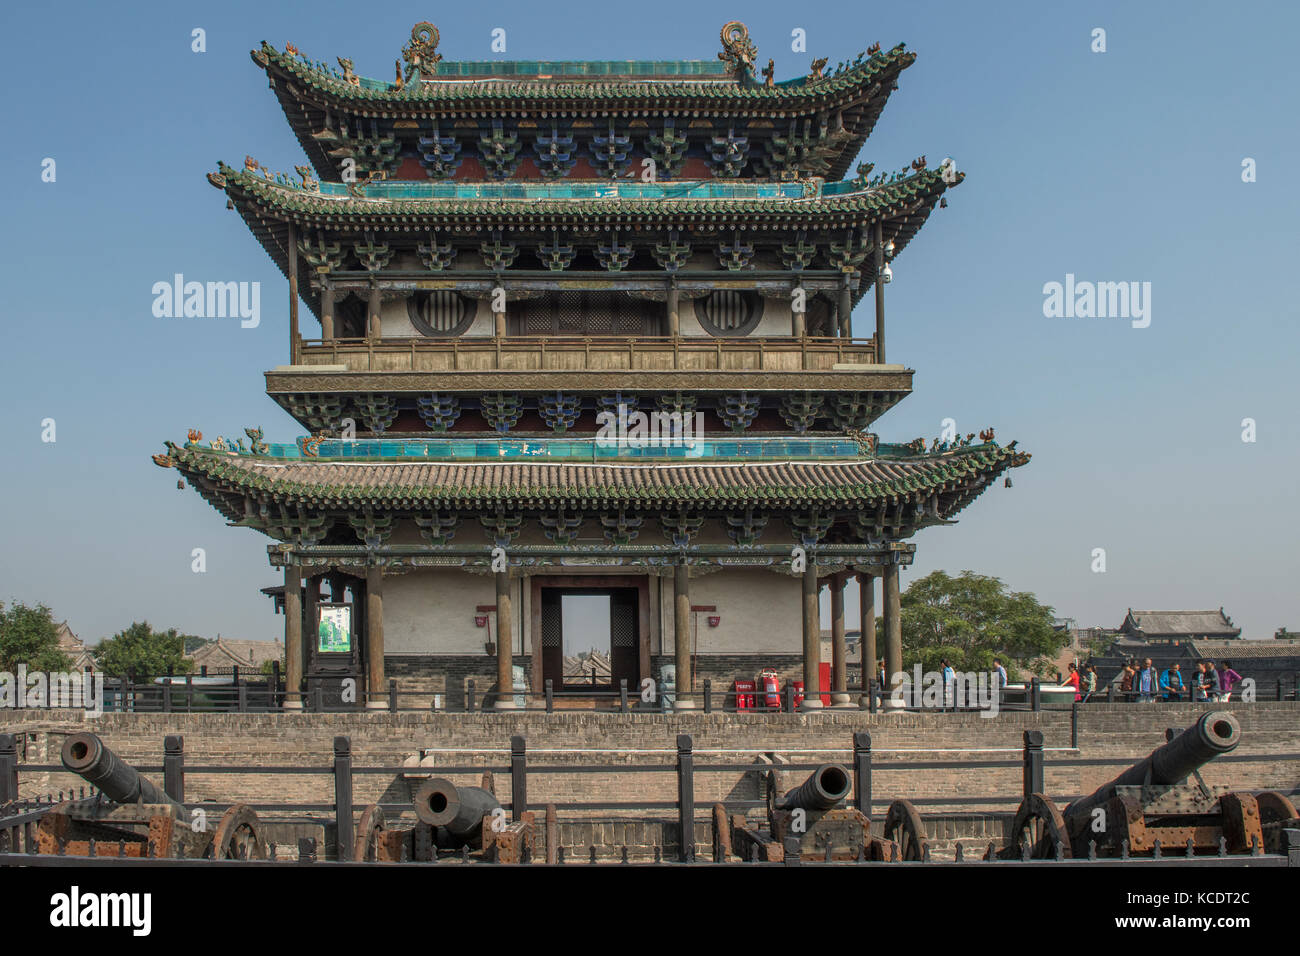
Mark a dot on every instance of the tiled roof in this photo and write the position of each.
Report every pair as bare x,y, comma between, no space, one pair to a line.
414,484
1189,623
1247,650
532,87
861,204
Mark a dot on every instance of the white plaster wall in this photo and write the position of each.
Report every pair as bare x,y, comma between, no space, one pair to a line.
396,321
761,612
431,611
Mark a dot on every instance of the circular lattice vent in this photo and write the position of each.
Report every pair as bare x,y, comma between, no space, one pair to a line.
727,312
441,313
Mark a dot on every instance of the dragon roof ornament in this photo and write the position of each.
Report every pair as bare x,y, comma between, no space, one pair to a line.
421,54
738,51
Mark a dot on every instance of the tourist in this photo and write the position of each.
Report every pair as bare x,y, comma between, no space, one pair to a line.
1202,681
1089,682
949,684
1073,681
1126,678
880,683
1148,682
1171,682
1228,679
999,675
1216,685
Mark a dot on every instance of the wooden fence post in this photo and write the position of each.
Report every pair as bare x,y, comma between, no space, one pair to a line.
862,771
343,795
518,777
8,769
174,767
1033,761
686,795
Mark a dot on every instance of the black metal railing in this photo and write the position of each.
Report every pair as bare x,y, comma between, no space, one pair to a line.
19,817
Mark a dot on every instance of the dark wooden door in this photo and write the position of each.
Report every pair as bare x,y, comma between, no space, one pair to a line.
624,656
552,640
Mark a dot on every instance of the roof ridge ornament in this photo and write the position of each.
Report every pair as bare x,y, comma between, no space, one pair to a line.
738,51
421,54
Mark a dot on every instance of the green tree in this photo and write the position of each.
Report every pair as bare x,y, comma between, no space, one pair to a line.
144,652
971,619
29,636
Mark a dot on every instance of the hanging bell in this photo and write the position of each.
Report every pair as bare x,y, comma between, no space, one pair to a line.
1007,482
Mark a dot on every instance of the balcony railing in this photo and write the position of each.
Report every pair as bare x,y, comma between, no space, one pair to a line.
597,354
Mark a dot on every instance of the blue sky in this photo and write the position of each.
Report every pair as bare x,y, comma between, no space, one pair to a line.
1115,166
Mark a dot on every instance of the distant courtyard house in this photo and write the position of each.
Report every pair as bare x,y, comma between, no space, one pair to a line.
224,654
1155,627
75,649
1186,637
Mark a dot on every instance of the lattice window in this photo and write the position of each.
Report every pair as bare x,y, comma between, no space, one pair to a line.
589,313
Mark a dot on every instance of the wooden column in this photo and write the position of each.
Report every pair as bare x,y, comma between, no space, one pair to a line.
376,683
293,635
867,615
812,640
505,651
310,616
682,635
880,294
499,318
839,644
893,630
293,295
674,311
799,320
326,311
374,313
846,309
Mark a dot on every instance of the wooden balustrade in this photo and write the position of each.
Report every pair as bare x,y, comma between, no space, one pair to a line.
588,353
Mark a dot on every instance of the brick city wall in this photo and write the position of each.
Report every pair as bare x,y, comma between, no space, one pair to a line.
586,738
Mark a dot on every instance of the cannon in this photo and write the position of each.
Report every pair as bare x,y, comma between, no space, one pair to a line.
811,820
91,759
131,816
1152,806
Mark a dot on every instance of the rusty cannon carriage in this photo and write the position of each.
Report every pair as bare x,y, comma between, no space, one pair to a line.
1152,807
813,821
131,816
449,818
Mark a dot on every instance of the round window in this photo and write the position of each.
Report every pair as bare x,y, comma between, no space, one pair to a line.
727,312
442,313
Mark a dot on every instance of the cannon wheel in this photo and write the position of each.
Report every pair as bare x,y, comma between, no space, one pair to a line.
903,826
721,834
1040,824
1274,806
237,836
370,831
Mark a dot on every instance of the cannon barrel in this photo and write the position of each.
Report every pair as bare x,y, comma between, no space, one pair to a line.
1214,733
91,759
458,811
825,787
